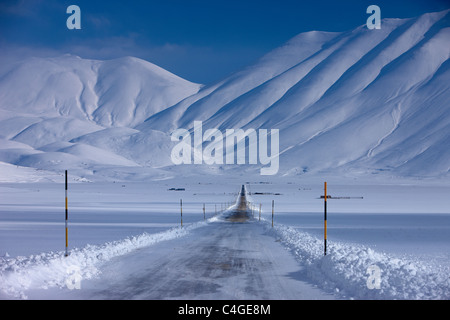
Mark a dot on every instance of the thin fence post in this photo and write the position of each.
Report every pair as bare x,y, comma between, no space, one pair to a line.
204,216
181,209
260,212
325,220
273,204
67,216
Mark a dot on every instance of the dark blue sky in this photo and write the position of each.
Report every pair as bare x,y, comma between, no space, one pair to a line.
202,41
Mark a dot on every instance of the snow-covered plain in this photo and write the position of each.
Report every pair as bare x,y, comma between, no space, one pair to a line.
366,111
404,230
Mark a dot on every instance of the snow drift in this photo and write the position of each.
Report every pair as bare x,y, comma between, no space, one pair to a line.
345,269
53,269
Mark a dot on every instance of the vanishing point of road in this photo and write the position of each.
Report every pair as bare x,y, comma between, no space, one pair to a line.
232,257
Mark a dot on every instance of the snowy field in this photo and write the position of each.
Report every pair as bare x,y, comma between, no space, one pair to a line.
402,230
356,108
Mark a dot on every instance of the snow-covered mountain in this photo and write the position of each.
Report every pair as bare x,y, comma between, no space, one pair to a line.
363,101
46,105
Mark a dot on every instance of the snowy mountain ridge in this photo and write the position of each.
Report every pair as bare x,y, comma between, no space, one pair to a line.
360,102
119,92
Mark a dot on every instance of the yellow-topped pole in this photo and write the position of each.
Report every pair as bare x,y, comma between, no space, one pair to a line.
67,217
273,204
181,209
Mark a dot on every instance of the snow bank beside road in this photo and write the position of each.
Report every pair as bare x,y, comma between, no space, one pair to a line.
45,270
346,269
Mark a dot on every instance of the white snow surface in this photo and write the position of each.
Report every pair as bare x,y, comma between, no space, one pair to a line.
53,269
110,220
345,269
366,110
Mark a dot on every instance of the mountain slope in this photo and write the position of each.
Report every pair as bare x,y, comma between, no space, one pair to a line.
365,100
46,103
120,92
362,101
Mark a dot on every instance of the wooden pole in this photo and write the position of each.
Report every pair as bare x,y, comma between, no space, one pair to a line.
273,201
67,217
325,220
181,209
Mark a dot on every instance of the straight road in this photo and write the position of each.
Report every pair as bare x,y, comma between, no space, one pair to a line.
234,257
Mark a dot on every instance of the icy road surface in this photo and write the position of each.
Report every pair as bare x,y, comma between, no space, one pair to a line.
230,258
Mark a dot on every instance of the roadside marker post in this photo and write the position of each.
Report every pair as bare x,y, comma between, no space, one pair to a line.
67,217
273,203
204,216
325,220
181,209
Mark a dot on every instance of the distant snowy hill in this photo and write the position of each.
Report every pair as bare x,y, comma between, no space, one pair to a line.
120,92
362,102
46,105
